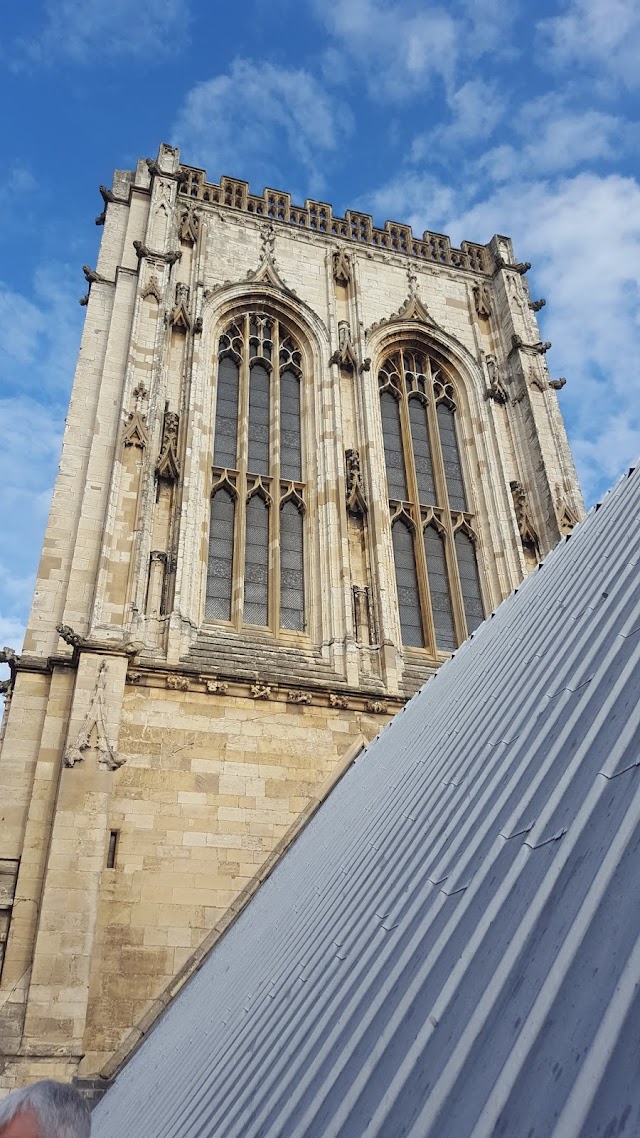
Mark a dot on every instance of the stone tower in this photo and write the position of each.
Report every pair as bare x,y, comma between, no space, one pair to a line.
304,457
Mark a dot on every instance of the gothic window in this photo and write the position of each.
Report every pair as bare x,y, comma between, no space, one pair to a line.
434,542
258,503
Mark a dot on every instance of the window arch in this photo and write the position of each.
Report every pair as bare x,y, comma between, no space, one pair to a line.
258,503
434,542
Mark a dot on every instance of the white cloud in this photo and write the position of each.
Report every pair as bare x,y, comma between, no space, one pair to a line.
476,110
400,46
556,140
236,123
418,200
604,34
583,236
80,31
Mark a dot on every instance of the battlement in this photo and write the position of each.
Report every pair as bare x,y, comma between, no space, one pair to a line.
275,205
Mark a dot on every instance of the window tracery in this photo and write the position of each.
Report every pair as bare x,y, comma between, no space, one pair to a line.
258,502
434,542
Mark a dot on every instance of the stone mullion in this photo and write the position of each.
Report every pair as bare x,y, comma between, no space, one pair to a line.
239,536
455,588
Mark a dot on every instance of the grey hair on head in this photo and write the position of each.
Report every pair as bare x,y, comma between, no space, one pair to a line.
59,1110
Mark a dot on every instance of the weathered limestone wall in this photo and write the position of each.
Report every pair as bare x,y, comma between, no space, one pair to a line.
204,748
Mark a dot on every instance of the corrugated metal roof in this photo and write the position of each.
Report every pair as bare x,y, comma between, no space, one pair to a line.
452,946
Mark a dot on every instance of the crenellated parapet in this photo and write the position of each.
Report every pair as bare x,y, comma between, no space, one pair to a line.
318,218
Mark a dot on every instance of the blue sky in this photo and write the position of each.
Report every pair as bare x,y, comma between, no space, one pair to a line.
468,118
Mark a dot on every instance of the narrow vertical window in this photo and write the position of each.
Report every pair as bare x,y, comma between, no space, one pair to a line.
290,441
393,452
469,580
407,584
422,451
219,576
256,566
291,567
258,461
439,590
225,448
112,849
451,457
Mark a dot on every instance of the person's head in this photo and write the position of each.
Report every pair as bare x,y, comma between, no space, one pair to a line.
44,1110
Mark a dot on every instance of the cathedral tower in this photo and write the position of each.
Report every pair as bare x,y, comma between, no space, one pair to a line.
304,458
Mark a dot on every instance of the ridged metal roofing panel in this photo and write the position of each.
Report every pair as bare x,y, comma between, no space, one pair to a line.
452,946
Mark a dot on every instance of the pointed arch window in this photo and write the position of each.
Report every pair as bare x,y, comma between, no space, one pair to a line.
258,503
433,535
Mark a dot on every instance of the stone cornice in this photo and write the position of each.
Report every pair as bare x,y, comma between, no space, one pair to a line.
264,687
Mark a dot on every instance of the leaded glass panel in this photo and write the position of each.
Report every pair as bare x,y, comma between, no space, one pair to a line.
220,567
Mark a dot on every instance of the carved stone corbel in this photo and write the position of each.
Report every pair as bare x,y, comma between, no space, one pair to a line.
557,384
377,706
177,683
262,691
536,305
298,696
339,701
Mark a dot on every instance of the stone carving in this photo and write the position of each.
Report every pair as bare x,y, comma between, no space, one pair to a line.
517,343
356,501
536,305
482,300
342,272
152,288
66,633
135,430
94,721
91,276
107,197
197,326
528,535
177,683
8,656
566,517
261,691
134,677
520,267
340,701
412,310
189,226
557,384
496,389
376,706
365,365
180,317
299,696
215,687
143,252
168,466
344,355
267,271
